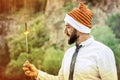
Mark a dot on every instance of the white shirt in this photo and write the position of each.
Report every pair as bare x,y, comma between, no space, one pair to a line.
94,61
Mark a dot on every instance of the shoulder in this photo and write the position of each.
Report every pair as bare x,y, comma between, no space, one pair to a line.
103,50
101,46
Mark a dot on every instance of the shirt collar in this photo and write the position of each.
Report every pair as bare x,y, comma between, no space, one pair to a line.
87,42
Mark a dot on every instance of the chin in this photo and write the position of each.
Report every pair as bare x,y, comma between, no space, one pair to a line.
70,42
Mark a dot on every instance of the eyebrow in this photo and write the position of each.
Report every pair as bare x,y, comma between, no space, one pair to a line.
67,25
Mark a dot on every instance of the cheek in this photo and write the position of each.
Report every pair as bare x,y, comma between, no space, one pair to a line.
68,32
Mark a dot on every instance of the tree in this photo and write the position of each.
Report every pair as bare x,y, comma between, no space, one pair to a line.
37,38
114,24
52,56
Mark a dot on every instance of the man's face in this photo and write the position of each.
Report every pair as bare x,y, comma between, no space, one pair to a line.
71,33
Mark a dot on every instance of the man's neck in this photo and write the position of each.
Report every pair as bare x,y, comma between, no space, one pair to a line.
82,38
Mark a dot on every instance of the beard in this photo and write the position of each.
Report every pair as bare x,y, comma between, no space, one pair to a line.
73,37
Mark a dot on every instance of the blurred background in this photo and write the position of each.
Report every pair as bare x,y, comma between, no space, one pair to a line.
47,42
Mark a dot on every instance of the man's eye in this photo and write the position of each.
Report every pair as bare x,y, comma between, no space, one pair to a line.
68,27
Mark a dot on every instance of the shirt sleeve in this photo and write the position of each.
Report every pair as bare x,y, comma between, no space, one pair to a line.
106,65
45,76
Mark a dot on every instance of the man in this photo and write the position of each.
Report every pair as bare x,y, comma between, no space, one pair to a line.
87,60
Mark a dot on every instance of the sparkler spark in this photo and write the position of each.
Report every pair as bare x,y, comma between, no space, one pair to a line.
26,33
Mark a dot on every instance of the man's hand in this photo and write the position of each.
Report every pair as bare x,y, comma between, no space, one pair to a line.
30,70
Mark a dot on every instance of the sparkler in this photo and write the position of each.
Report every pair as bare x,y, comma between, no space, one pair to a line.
26,33
27,49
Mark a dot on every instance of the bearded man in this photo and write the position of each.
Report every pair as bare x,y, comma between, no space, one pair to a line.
87,60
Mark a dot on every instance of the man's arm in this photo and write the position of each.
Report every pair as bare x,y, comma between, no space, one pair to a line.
45,76
106,65
31,71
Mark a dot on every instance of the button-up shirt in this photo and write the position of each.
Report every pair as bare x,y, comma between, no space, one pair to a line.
94,61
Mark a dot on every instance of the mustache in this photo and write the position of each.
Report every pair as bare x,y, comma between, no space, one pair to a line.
68,35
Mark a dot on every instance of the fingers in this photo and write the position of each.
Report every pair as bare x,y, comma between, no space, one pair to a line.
27,61
25,69
27,73
29,69
26,64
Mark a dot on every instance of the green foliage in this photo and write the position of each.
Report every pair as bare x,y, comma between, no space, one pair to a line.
52,56
105,35
36,57
38,36
114,23
17,45
14,68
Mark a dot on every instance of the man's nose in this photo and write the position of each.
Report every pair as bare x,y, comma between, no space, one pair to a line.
65,31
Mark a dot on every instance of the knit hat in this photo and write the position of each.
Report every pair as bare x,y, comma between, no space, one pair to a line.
80,18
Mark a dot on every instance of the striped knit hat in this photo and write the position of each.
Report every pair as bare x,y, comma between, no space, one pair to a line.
80,18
